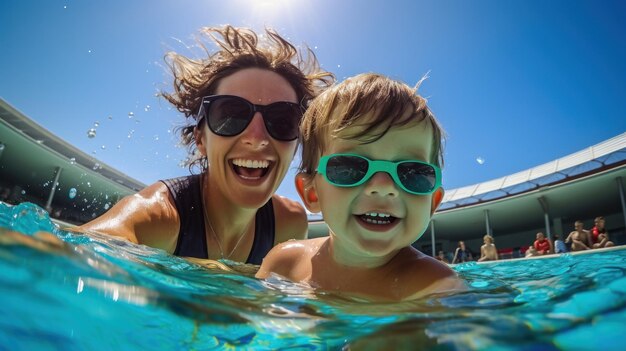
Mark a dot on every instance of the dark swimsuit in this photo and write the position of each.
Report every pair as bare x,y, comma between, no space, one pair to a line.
186,192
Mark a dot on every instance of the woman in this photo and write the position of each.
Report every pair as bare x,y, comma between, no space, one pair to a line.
462,254
244,103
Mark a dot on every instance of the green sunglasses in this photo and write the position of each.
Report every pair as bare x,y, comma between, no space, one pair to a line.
348,170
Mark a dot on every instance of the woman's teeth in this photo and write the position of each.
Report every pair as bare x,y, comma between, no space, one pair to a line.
251,163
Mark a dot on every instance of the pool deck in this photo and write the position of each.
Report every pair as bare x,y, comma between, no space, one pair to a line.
573,253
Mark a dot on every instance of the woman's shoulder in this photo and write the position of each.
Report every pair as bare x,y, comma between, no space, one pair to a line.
291,219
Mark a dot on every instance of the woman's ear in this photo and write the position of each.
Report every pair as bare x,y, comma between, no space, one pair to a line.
199,138
308,193
436,200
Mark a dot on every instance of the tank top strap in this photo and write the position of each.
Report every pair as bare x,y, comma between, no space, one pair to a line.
264,233
187,194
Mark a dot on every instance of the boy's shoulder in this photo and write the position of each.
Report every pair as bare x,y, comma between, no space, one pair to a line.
425,275
285,258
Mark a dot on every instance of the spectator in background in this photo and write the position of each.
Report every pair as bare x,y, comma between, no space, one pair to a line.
542,245
531,252
599,235
559,245
488,251
462,254
442,257
579,238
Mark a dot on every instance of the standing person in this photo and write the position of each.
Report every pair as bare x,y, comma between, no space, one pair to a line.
542,244
579,238
243,104
462,254
599,235
370,164
488,252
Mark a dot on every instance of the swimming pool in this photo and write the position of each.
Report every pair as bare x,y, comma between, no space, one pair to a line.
97,293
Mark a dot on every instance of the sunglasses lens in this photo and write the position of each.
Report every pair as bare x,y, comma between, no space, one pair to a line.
282,120
228,116
346,170
417,177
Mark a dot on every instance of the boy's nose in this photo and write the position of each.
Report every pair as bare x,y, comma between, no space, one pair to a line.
381,184
256,134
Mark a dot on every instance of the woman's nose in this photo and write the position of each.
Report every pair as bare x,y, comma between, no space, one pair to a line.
256,134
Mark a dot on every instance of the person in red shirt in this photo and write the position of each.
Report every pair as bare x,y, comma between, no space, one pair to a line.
542,245
599,235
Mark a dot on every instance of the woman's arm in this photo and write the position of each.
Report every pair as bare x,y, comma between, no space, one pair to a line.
148,217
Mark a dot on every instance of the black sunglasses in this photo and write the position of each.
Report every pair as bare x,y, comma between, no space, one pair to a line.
229,115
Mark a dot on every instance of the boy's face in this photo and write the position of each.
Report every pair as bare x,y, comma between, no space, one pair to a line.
350,211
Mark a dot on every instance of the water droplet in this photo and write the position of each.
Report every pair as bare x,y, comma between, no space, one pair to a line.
338,66
147,108
72,160
131,114
480,160
110,117
96,124
119,147
106,206
103,147
91,133
64,7
72,193
96,166
156,138
23,192
89,51
89,184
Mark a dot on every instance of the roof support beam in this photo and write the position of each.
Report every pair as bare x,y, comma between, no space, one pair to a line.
487,223
546,216
432,237
55,183
620,186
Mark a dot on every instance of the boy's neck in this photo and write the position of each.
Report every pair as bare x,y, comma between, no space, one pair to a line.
350,257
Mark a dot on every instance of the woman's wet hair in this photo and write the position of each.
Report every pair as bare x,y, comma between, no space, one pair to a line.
237,49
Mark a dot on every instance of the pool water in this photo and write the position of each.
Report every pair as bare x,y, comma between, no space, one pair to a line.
98,293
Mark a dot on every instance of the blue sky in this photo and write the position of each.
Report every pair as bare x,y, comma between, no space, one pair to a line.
514,83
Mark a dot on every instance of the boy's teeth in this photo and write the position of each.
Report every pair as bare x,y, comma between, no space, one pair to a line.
377,218
251,163
376,214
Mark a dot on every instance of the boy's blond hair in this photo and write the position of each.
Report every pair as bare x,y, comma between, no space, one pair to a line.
393,104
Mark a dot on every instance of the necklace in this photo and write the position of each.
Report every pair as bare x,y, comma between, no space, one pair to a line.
219,244
217,239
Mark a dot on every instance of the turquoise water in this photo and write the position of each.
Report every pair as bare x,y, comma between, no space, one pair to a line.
96,293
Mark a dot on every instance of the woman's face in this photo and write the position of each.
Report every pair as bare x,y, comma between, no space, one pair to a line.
249,167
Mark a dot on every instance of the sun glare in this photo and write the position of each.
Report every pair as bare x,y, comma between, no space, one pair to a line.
268,9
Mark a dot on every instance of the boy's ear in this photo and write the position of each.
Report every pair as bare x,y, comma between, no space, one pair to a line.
436,200
307,192
199,138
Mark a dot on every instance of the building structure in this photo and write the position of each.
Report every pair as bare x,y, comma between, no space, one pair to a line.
74,187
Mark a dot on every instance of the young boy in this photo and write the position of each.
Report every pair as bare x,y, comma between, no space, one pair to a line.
488,252
370,164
